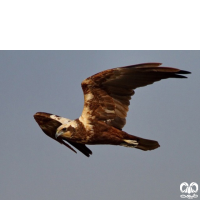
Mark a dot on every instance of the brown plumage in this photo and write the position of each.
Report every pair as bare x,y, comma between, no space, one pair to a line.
107,96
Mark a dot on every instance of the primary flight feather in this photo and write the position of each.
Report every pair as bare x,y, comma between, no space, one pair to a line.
107,96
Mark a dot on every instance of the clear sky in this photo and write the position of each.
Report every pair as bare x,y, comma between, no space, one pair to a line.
33,166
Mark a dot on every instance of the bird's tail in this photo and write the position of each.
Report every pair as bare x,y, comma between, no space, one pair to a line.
140,143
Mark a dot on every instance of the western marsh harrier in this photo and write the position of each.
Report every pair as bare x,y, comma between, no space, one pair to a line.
107,96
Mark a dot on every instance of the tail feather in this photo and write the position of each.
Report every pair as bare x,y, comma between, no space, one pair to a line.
141,143
145,144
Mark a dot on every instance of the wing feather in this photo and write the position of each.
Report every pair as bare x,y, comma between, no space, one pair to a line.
107,94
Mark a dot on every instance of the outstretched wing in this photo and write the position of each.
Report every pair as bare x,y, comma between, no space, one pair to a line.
107,94
49,124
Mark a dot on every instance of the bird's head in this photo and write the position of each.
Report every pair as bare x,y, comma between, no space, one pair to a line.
63,131
66,130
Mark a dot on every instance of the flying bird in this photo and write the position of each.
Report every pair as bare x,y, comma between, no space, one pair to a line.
107,97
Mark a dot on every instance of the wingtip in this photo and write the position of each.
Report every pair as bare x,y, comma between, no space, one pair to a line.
39,115
35,114
68,146
184,72
180,72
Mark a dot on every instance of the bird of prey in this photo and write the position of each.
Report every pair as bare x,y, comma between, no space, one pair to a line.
107,97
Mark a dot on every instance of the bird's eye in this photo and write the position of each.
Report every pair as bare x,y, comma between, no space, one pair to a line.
64,129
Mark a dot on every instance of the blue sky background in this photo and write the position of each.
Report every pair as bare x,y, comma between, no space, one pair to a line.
33,166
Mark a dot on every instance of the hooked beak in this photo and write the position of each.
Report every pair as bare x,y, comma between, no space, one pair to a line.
58,133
